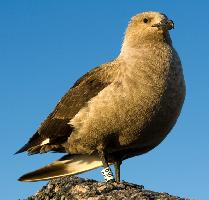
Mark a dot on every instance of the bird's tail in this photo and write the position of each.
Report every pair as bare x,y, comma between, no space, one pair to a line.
67,165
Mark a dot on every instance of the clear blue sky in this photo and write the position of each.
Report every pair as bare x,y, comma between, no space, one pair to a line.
46,45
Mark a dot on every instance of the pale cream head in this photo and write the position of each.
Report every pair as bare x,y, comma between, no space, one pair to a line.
147,27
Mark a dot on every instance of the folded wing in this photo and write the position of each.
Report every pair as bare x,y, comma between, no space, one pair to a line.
55,130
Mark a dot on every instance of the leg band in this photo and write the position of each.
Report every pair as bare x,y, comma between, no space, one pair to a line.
107,173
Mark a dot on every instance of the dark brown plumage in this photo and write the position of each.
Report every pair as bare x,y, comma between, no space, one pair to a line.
118,110
56,126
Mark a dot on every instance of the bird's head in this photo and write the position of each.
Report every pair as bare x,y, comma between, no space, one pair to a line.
148,27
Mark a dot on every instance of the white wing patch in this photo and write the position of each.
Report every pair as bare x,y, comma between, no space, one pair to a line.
46,141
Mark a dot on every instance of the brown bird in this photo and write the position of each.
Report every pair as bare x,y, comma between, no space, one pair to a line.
118,110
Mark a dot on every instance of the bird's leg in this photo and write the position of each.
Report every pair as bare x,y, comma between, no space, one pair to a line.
106,172
117,170
104,159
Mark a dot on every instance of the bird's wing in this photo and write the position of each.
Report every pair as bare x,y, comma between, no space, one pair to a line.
55,129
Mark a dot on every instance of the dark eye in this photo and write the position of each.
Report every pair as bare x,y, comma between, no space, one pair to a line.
145,20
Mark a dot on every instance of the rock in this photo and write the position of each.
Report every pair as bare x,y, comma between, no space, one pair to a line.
75,188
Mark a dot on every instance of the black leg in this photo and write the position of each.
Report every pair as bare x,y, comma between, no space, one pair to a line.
106,172
104,159
117,170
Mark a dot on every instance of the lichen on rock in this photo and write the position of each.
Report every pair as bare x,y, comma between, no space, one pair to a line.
75,188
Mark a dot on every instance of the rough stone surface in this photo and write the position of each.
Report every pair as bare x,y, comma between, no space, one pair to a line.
68,188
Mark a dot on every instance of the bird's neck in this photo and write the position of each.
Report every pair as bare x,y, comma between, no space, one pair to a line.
137,41
145,53
148,59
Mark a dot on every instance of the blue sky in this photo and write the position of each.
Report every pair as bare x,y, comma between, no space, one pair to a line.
45,46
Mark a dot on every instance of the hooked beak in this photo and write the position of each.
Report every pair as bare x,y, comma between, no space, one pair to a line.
165,25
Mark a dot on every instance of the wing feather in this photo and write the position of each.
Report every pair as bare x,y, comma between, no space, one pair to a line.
56,128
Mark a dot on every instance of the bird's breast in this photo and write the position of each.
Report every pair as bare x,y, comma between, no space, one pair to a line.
140,105
155,103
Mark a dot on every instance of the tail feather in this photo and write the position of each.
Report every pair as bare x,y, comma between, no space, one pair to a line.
67,165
